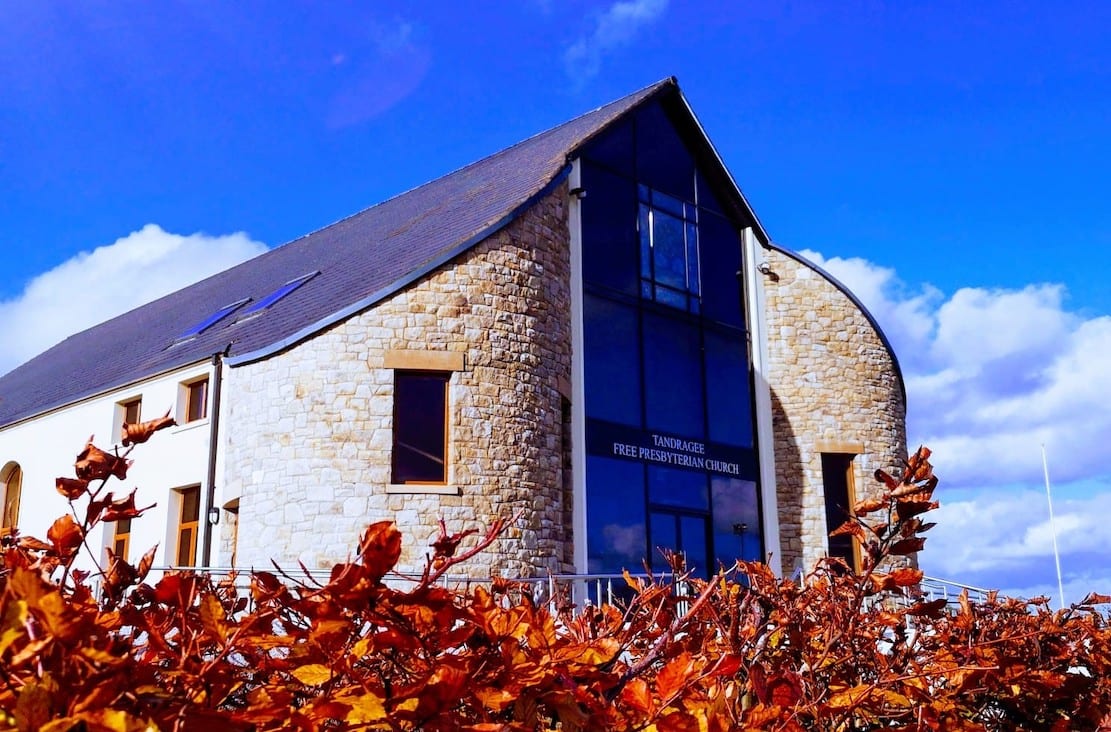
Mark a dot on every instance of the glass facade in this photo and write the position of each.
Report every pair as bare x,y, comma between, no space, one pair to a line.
670,458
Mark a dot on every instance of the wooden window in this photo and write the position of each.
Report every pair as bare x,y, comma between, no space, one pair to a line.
13,490
121,539
132,411
420,426
840,495
188,526
196,400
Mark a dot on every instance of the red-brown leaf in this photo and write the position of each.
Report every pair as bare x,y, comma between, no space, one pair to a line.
71,488
65,535
908,546
637,695
678,722
446,545
853,527
122,508
868,505
929,608
906,577
380,548
908,509
884,477
135,434
674,675
95,464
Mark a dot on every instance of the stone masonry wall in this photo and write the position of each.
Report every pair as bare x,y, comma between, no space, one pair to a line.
309,430
834,388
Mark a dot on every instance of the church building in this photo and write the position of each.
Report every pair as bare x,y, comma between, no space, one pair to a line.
589,331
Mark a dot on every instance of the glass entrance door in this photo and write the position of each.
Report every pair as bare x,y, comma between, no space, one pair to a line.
684,532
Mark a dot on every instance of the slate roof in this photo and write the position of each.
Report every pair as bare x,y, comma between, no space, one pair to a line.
361,259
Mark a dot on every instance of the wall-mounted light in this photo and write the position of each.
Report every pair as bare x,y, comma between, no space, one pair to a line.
578,192
764,268
213,515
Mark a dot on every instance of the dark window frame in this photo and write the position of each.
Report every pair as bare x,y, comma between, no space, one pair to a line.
412,454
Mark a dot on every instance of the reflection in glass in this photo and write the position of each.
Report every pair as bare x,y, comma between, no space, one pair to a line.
612,362
673,376
664,535
668,250
610,253
720,248
736,520
692,537
663,161
615,515
727,384
678,487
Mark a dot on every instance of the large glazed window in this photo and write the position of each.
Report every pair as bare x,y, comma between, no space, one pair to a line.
420,427
671,460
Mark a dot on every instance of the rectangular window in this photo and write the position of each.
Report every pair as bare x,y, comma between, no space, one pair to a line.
420,427
278,294
669,250
212,320
132,411
840,495
196,400
188,526
121,539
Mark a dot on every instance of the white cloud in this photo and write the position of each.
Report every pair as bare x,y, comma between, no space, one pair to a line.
991,375
613,28
94,286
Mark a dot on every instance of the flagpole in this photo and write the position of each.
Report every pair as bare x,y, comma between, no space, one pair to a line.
1053,530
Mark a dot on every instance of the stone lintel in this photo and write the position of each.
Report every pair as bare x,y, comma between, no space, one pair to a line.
840,446
424,360
424,488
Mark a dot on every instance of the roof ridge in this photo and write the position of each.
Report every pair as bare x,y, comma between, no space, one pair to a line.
646,91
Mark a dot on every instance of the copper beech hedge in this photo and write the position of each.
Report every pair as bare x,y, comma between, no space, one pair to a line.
743,651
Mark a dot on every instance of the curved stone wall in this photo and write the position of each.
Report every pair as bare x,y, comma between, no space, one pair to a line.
310,430
835,389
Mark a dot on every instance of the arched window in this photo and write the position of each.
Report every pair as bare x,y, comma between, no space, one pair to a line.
12,489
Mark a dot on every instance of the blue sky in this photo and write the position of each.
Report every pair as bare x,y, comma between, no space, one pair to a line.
948,161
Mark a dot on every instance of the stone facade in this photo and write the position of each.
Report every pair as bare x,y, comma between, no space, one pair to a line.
309,454
835,389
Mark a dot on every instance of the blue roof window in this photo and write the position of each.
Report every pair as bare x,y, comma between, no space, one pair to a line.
213,319
279,293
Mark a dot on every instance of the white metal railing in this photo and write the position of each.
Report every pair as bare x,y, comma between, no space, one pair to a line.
935,589
578,590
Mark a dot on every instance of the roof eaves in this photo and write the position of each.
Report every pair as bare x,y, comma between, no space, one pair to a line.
379,295
101,391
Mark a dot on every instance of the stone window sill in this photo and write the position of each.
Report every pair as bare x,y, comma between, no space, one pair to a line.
442,490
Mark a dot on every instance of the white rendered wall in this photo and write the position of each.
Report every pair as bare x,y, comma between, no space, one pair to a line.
45,448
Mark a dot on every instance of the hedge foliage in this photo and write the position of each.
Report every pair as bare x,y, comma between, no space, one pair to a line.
364,650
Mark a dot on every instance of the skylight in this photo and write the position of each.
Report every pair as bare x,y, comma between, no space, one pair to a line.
279,293
213,319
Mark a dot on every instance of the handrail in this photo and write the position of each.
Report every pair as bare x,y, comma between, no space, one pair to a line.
582,589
